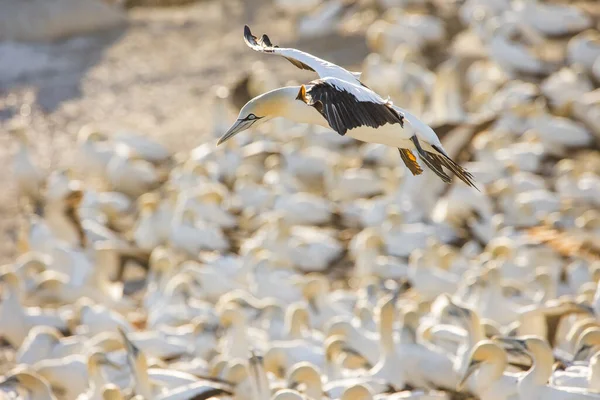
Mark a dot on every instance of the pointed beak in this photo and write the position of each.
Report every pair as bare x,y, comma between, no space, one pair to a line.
470,370
239,126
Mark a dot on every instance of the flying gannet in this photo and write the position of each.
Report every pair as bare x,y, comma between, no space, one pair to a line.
340,101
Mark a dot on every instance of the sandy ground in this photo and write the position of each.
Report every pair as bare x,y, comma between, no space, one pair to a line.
154,77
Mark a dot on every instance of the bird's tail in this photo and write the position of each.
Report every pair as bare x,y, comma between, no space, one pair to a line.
435,162
459,171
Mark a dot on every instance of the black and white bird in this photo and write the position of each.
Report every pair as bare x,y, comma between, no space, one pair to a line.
340,101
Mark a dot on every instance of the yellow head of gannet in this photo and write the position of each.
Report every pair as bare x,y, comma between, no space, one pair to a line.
307,374
281,102
485,352
357,392
111,392
588,340
37,386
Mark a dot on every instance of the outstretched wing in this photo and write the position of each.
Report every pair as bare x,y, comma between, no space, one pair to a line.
299,58
347,106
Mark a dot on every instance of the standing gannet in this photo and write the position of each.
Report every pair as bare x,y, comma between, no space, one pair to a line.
343,103
488,361
533,385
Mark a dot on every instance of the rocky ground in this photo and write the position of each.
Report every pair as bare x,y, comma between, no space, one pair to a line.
155,76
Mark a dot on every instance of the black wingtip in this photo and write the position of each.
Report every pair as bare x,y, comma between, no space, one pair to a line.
248,36
459,171
267,41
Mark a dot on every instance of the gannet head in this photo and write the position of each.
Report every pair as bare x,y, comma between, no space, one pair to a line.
357,392
304,372
334,346
589,339
484,351
10,279
261,109
236,372
111,392
255,112
29,380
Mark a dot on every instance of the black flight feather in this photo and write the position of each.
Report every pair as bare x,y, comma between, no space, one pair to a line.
343,111
265,45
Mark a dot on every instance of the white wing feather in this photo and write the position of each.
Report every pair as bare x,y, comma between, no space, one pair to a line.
323,68
424,132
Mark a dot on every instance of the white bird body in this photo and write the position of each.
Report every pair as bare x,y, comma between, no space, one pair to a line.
426,367
431,280
308,163
364,341
312,249
144,147
526,156
274,282
539,202
55,287
213,282
367,251
339,100
193,236
145,234
299,350
304,209
566,86
95,319
512,55
38,345
69,374
353,183
401,240
561,131
586,377
490,381
206,205
15,320
390,134
94,152
390,367
158,345
553,19
130,175
252,195
533,384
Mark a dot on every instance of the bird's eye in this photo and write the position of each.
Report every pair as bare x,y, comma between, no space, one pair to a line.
251,117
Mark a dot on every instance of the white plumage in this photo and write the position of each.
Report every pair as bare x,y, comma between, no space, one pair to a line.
340,101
